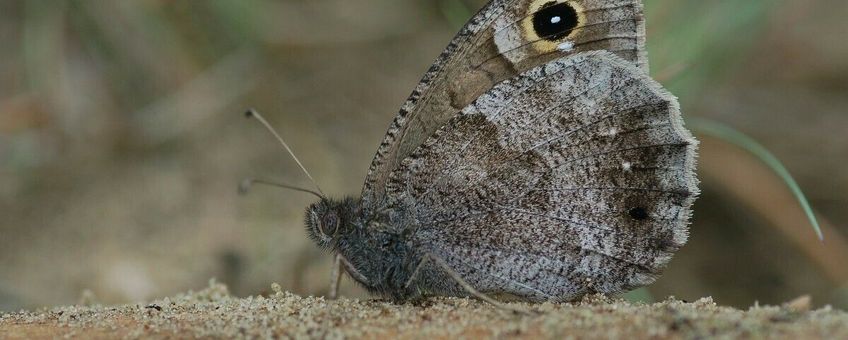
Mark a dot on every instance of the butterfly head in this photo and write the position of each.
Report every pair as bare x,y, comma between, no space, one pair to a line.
328,220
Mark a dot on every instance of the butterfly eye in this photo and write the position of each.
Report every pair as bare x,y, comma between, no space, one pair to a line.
329,224
555,21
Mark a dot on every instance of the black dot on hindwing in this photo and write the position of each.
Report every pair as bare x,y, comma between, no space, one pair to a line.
554,20
638,213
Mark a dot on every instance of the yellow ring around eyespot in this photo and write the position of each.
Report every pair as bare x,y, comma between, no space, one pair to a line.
545,46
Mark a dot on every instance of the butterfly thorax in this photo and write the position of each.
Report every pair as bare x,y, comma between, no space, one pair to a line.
375,251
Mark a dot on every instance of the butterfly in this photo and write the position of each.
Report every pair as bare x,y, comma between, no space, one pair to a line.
536,158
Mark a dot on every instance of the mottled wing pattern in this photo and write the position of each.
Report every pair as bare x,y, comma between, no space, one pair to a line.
505,38
575,177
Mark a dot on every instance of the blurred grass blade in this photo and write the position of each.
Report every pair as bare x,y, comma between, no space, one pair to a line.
742,140
456,12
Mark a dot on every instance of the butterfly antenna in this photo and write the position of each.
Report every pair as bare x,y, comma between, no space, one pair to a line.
251,113
246,184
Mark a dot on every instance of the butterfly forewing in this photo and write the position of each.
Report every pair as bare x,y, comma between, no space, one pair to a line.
575,176
506,38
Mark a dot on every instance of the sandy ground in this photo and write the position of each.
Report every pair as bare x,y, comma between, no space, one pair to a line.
214,313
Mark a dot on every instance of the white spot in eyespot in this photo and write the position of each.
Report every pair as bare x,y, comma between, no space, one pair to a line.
627,166
566,46
556,20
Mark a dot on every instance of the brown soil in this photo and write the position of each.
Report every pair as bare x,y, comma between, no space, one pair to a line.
214,313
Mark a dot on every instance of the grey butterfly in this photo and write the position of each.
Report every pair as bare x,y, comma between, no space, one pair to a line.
536,158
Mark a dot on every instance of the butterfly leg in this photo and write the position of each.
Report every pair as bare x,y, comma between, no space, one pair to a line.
416,271
341,263
335,277
465,285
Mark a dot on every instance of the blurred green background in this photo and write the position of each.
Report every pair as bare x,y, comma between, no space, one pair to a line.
122,140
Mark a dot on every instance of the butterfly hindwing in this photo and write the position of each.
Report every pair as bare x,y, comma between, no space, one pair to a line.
576,176
506,38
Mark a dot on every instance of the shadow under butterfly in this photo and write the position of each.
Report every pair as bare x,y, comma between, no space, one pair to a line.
536,158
